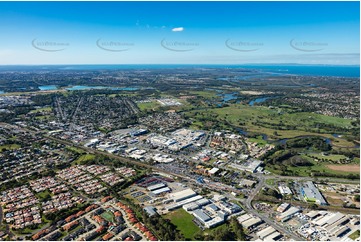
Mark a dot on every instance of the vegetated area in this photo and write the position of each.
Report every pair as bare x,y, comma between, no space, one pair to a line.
307,144
312,156
229,231
9,147
355,235
184,223
275,123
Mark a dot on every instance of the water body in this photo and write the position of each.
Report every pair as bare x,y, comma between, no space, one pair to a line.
337,135
81,88
258,100
48,88
309,70
228,96
294,69
2,92
241,131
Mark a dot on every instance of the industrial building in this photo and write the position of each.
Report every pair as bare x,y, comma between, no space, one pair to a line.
288,214
283,207
251,223
265,232
203,202
190,206
206,220
160,191
284,190
182,195
150,210
183,202
274,236
156,186
201,216
311,193
214,222
250,165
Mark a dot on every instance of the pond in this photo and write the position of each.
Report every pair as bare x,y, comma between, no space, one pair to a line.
228,96
48,88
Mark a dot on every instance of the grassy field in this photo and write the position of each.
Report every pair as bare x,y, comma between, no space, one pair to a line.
9,147
307,170
43,194
183,221
108,216
258,140
76,150
355,235
330,157
148,106
84,158
206,94
47,109
43,117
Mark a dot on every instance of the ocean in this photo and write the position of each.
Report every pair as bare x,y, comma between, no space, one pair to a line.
287,69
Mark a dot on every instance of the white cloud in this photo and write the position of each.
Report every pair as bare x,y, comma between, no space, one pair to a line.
178,29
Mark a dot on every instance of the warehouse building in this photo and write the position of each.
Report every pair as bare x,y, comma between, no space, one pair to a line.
311,194
182,195
156,186
160,191
251,223
288,214
183,202
190,206
201,216
283,207
265,232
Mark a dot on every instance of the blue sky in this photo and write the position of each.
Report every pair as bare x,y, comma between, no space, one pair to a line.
179,32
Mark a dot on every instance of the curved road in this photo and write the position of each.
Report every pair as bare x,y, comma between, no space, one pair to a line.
250,209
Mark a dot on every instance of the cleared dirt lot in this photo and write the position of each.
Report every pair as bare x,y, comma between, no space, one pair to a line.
347,168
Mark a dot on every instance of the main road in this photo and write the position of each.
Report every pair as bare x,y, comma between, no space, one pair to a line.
249,208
